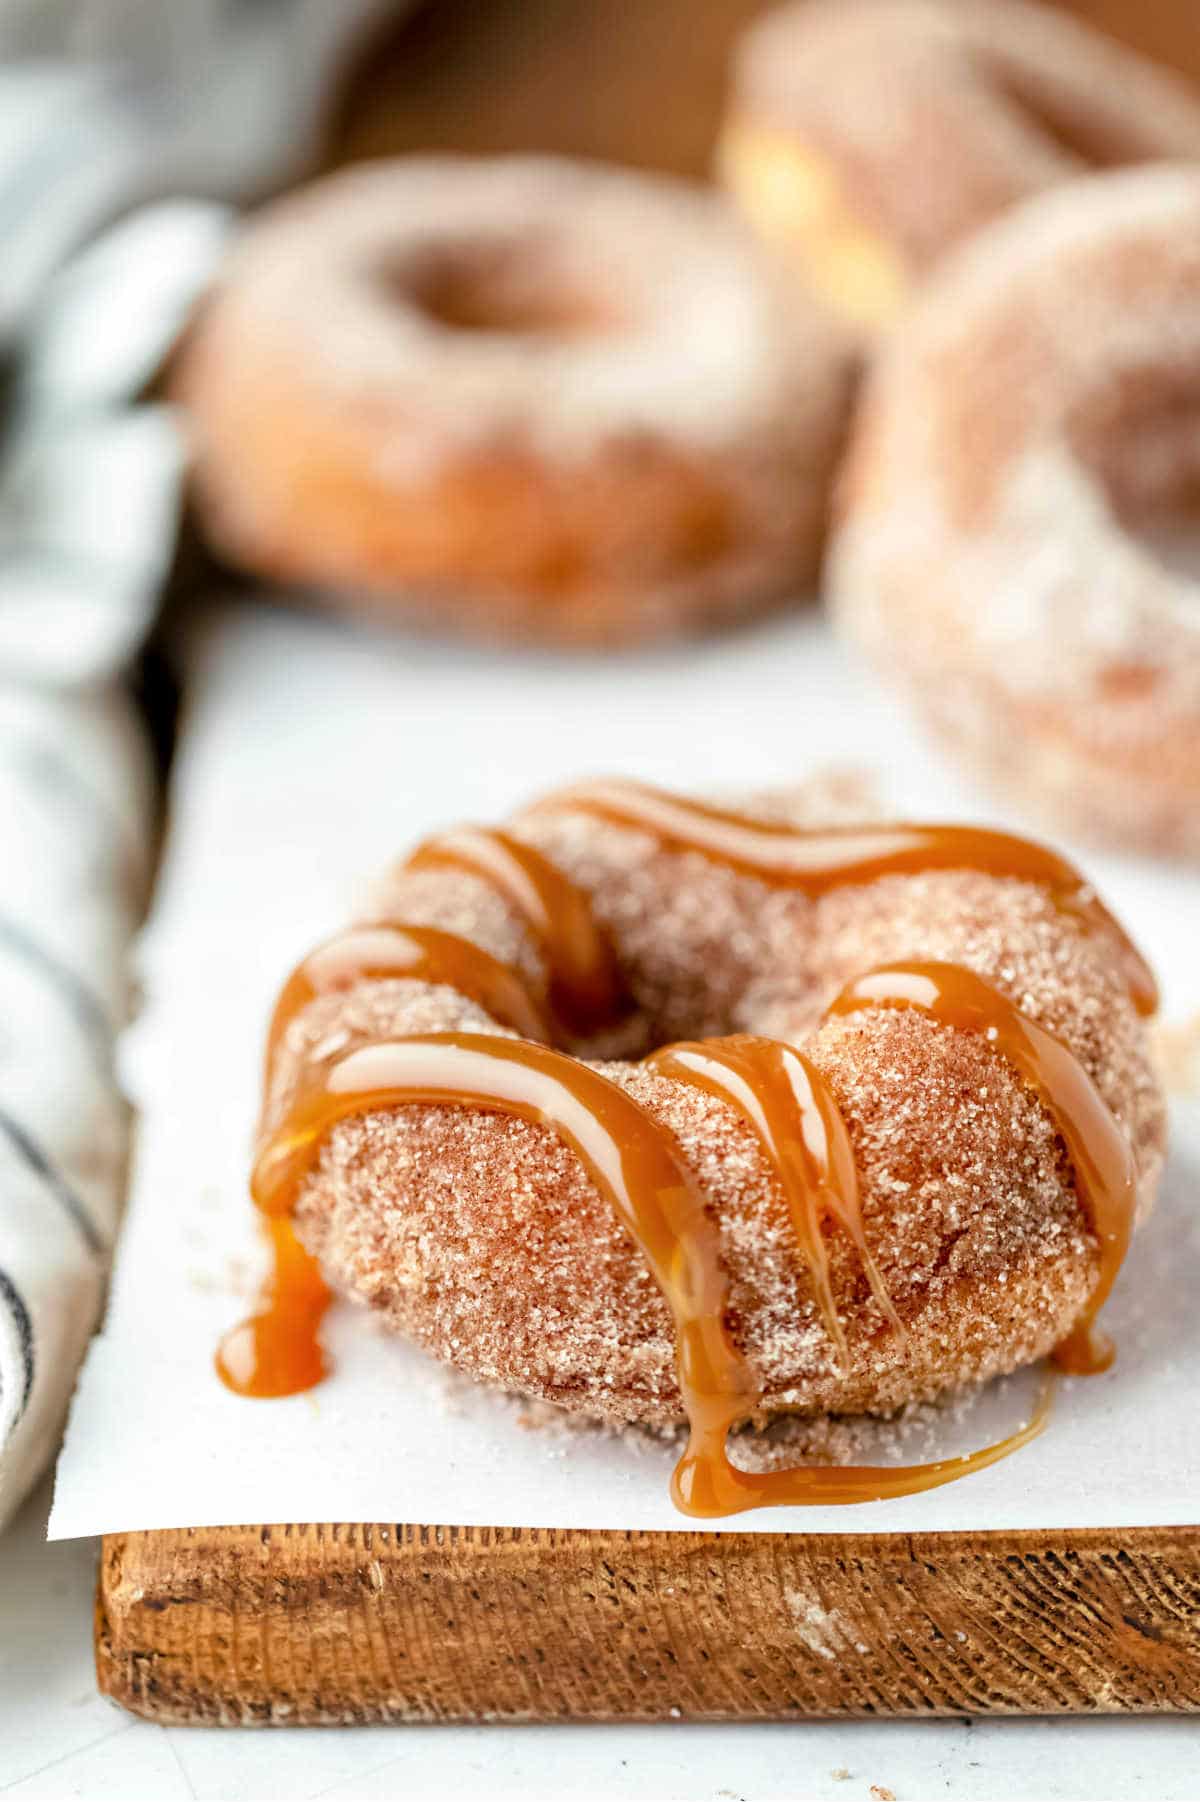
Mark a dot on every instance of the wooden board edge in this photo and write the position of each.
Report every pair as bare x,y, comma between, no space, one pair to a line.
343,1624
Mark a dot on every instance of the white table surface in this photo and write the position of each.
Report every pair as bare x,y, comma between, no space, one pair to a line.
60,1739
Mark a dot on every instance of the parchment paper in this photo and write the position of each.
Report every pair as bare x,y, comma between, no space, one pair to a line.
312,755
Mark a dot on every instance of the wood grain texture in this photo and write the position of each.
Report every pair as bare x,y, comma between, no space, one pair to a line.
344,1624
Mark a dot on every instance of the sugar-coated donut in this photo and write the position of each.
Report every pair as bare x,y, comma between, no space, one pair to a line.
865,137
483,1237
519,397
1041,402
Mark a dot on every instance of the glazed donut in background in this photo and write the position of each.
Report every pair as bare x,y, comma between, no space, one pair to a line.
483,1237
520,398
864,138
1038,407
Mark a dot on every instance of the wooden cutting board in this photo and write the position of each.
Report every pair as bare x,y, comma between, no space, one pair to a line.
343,1624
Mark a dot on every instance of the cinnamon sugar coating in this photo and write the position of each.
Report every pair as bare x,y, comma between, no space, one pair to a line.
515,397
1029,427
481,1236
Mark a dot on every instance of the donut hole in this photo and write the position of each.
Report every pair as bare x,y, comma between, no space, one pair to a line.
1139,437
709,986
502,290
1065,122
1174,545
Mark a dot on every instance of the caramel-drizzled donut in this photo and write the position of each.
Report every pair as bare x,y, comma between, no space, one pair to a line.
517,398
865,138
1038,408
633,1162
696,1184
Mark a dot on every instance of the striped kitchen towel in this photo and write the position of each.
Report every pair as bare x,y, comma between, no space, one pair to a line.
108,108
89,486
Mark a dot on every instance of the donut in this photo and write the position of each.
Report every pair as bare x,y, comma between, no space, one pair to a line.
1033,425
836,1117
864,138
519,398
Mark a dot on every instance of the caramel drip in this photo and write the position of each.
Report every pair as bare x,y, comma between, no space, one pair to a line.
789,1106
277,1351
830,857
583,981
634,1163
1100,1154
418,954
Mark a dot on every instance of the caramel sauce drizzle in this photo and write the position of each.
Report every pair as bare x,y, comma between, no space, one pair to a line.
278,1351
418,954
791,1109
1099,1151
830,857
635,1165
632,1160
584,982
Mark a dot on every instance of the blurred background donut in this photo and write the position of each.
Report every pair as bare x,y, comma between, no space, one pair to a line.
1026,443
865,139
524,398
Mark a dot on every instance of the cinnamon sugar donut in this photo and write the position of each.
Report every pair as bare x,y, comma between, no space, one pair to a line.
1041,404
519,398
865,137
484,1238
